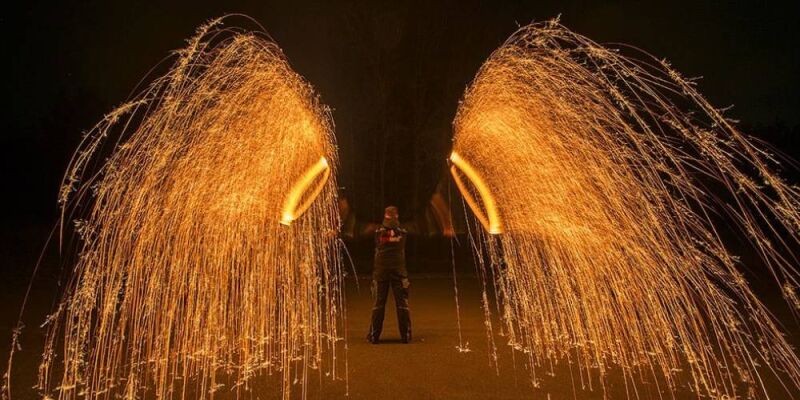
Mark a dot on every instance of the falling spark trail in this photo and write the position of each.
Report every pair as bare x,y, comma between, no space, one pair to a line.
197,271
598,180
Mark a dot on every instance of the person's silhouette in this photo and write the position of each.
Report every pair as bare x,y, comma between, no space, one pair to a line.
388,271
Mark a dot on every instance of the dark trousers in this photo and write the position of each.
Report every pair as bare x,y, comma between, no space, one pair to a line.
381,291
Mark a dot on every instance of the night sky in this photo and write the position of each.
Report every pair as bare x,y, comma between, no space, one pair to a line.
392,73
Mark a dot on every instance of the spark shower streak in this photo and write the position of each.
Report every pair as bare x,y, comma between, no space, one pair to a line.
609,174
186,282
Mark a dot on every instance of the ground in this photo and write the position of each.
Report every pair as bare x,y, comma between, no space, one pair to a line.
431,367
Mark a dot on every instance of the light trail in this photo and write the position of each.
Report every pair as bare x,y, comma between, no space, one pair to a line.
611,175
489,219
291,210
186,282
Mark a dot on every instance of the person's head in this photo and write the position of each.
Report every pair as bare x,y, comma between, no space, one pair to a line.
391,217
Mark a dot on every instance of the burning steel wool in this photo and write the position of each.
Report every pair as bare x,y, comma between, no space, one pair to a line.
598,180
197,271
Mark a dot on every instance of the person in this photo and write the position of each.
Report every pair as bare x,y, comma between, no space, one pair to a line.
389,271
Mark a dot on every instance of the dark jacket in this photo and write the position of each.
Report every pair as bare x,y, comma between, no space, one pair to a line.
390,254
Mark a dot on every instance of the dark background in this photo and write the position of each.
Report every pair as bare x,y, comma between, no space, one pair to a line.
393,74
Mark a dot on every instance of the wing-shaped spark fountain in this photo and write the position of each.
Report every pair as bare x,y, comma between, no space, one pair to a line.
610,174
185,274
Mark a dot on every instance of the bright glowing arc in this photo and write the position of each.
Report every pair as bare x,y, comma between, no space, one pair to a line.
491,218
291,210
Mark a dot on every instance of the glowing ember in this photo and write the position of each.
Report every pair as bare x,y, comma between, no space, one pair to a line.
602,168
185,274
